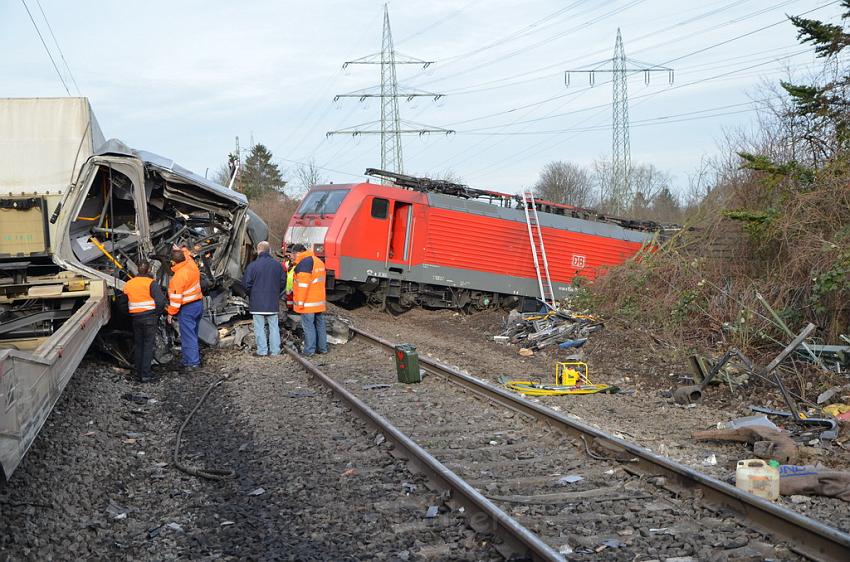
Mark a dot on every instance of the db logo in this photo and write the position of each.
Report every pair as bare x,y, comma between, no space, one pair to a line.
578,261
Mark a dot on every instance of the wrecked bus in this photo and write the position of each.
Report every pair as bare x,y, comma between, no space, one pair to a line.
77,214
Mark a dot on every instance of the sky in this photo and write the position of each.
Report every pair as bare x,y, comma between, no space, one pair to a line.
184,79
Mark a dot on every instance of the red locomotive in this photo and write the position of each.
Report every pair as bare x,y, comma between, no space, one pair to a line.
445,245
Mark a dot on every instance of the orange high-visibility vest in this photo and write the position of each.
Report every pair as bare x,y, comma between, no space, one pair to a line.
185,285
139,297
309,288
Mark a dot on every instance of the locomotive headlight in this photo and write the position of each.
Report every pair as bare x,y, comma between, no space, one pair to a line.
319,249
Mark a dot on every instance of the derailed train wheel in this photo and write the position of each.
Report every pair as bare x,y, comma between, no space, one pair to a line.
395,308
375,301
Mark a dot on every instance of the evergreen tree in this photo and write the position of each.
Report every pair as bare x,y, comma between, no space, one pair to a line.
826,106
261,175
665,206
640,206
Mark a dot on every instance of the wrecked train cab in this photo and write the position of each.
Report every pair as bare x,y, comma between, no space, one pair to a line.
130,206
77,214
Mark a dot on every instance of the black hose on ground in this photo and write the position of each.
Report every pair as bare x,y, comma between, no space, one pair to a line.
211,473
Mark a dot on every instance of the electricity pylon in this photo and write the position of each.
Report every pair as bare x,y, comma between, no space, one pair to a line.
621,67
391,124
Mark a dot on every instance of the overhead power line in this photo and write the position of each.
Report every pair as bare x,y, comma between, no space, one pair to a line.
512,80
391,127
439,22
686,55
307,115
757,62
601,109
531,28
58,48
697,16
659,120
620,70
47,50
542,42
320,167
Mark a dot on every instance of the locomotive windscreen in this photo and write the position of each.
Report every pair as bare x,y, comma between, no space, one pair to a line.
324,202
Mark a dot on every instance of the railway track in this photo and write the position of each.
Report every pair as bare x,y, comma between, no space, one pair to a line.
548,485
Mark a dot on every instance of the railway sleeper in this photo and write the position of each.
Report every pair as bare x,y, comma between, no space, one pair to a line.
503,436
515,450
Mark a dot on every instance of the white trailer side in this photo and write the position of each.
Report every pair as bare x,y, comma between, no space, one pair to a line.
48,316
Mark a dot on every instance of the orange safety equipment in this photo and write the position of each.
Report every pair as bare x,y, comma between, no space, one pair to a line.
309,286
185,284
139,297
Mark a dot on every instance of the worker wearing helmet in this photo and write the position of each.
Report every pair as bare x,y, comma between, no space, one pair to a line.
145,303
309,295
186,300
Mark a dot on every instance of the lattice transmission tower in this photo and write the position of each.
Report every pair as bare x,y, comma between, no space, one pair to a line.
391,125
620,68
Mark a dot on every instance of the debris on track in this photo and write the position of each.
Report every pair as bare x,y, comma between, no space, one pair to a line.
536,330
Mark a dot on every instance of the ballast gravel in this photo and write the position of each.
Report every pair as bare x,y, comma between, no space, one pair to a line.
310,481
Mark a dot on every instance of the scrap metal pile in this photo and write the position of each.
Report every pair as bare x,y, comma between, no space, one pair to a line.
536,330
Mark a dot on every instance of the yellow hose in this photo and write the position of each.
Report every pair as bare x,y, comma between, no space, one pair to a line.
532,388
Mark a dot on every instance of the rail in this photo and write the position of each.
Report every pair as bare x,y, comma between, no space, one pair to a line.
804,535
518,539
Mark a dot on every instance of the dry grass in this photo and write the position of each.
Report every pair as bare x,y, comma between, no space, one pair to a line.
699,287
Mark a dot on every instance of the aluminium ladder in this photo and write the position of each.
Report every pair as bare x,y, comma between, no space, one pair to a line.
535,237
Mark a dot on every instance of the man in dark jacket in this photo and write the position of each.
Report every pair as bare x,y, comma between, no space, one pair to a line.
265,281
145,303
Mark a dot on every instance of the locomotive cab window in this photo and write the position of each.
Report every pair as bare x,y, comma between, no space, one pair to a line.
324,202
380,208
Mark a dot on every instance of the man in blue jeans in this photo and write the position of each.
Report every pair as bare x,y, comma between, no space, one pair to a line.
265,281
309,299
185,300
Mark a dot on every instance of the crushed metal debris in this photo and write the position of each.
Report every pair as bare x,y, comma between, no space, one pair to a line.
535,330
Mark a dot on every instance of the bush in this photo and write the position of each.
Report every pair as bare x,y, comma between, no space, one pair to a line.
276,209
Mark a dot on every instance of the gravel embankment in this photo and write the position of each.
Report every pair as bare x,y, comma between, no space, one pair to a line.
310,484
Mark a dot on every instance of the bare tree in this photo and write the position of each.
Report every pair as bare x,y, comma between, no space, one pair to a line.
648,180
307,175
644,183
222,175
564,182
276,209
603,181
449,175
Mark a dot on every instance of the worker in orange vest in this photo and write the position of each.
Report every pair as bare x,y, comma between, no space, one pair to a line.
186,300
309,295
145,303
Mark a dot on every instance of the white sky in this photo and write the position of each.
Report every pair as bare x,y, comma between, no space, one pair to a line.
183,78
